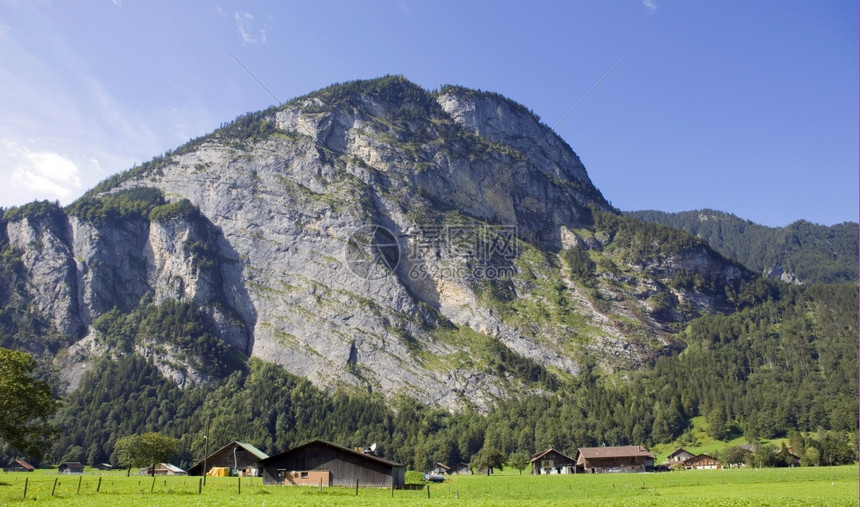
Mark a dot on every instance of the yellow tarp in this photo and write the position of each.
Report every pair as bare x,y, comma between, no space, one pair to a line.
219,472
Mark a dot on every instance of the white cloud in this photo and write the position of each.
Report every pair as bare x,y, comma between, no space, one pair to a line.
219,11
38,174
118,3
650,4
245,25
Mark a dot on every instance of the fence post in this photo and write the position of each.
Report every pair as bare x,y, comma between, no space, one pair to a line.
55,486
99,485
356,487
79,484
151,489
200,486
320,484
26,480
428,490
239,484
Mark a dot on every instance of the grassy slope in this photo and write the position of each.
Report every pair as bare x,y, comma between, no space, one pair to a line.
702,443
797,486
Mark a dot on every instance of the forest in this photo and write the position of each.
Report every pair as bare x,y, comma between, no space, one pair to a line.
783,368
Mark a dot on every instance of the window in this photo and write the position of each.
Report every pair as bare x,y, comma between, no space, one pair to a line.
303,475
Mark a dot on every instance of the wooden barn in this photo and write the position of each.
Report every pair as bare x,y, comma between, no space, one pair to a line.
702,461
163,469
625,458
340,467
241,458
552,462
18,465
71,467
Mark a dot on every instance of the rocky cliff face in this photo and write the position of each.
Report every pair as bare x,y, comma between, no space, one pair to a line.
373,235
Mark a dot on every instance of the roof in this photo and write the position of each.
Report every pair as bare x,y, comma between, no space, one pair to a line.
443,465
338,448
541,455
679,450
72,464
621,451
260,455
21,463
172,468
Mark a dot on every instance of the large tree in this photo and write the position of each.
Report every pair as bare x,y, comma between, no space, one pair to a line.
26,404
487,459
145,449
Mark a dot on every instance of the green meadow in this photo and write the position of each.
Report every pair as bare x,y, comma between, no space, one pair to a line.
777,487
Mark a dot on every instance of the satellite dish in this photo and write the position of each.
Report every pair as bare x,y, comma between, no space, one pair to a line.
373,446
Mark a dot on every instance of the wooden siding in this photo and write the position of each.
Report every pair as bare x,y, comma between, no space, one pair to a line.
344,465
306,477
245,461
552,459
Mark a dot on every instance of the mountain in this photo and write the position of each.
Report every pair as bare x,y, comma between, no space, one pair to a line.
378,261
802,252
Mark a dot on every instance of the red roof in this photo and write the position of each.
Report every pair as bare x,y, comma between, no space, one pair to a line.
620,451
21,463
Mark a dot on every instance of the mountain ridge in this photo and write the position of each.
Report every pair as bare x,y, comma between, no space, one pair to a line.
801,252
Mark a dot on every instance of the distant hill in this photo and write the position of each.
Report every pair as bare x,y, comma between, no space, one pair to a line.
802,252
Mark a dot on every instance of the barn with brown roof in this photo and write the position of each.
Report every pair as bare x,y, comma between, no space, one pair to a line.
624,458
334,465
18,465
71,467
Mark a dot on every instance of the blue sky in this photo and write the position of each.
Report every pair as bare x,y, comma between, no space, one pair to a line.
749,107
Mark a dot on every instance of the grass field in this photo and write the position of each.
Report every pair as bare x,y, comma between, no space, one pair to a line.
777,487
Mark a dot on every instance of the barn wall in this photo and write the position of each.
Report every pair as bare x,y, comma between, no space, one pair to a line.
345,467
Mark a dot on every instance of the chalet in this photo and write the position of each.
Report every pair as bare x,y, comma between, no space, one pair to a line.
241,458
104,467
552,462
163,469
71,467
18,465
332,464
678,456
702,461
440,469
626,458
460,469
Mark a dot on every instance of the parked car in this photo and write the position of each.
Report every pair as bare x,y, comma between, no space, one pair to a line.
434,478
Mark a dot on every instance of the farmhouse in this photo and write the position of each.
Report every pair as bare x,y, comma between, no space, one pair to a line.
104,467
626,458
702,461
440,469
333,464
71,467
18,465
241,458
162,469
679,455
552,462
